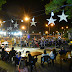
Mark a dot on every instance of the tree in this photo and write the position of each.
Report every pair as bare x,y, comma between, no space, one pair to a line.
2,2
56,6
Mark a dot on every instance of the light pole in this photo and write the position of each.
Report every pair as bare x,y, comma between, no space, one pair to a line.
27,19
51,25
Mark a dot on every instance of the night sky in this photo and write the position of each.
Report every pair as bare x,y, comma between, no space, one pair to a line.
17,9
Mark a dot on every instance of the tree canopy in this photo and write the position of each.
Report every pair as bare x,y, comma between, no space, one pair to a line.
1,3
56,6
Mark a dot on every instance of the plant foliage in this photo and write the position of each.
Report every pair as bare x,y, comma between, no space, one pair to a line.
2,2
56,6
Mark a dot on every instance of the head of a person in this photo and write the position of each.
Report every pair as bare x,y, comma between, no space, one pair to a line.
19,53
62,48
44,51
12,48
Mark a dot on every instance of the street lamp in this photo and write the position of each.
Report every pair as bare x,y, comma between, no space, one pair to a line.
46,32
66,27
23,27
62,27
49,26
27,19
52,24
46,25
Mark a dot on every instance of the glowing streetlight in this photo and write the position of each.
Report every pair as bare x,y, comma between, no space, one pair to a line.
23,27
46,25
66,27
26,18
52,24
0,21
62,27
46,32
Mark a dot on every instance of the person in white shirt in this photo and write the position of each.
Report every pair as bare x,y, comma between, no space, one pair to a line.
52,57
45,54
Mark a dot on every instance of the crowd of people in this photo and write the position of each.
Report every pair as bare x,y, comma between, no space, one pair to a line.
42,42
22,62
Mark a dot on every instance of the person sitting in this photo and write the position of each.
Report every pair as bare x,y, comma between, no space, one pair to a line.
55,53
22,66
17,58
31,61
4,55
45,57
12,53
51,54
62,51
45,53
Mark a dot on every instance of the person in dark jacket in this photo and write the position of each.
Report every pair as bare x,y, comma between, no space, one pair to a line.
62,51
12,53
4,55
55,53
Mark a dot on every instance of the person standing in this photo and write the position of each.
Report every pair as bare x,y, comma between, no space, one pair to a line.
59,40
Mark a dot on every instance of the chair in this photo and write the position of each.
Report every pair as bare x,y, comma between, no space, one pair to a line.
31,62
45,59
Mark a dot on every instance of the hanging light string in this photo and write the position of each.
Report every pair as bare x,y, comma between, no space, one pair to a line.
55,9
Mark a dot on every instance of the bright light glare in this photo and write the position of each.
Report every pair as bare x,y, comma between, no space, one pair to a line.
52,24
22,21
23,27
19,33
46,25
66,27
26,19
0,21
62,27
5,33
46,32
2,33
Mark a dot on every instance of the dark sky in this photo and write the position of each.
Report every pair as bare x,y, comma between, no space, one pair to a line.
17,9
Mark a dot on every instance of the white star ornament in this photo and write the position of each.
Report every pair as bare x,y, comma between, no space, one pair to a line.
33,23
51,20
63,17
9,28
16,25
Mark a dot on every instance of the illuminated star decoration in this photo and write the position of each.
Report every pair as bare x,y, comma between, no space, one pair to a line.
9,28
16,25
62,17
33,23
51,20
